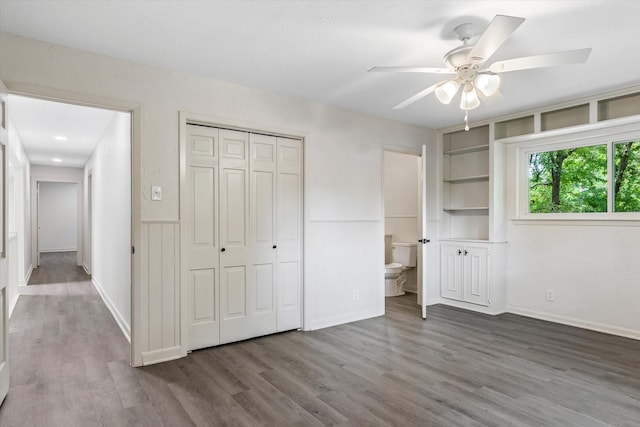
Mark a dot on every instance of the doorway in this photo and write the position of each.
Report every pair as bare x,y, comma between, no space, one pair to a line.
86,151
57,234
402,224
57,217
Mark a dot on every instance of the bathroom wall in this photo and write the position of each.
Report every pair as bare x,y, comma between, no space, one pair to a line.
401,176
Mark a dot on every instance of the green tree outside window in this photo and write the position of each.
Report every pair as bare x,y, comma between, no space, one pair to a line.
574,180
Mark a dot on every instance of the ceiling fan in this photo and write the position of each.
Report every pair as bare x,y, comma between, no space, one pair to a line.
467,64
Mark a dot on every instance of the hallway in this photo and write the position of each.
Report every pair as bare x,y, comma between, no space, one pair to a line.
66,351
58,267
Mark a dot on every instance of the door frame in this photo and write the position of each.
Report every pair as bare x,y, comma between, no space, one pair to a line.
89,229
418,153
35,214
226,123
57,95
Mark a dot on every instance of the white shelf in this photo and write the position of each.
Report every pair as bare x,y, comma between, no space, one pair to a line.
473,208
467,179
473,149
464,239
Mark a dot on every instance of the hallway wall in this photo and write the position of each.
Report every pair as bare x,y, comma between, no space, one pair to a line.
20,258
110,169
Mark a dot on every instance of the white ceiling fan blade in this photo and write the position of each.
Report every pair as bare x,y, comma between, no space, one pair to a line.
411,70
493,37
539,61
416,97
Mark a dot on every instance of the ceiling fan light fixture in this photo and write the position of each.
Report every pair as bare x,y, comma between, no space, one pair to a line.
447,90
487,84
469,99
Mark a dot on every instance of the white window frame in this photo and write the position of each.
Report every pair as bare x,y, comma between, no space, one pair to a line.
599,136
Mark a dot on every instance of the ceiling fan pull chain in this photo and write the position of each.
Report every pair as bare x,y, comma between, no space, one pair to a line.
466,120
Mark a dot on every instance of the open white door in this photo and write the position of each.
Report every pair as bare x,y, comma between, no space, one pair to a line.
4,305
422,295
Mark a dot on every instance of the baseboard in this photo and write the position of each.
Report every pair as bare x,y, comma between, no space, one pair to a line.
86,269
491,310
578,323
12,304
433,301
28,276
161,355
339,320
59,250
114,312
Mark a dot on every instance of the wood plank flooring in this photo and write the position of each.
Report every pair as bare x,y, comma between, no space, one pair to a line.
58,267
69,367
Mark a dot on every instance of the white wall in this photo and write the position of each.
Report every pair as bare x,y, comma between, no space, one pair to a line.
19,262
110,168
401,180
57,217
343,182
593,269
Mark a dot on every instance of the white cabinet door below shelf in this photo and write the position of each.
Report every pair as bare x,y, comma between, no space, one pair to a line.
451,270
475,274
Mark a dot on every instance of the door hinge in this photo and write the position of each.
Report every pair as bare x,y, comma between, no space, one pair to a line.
133,250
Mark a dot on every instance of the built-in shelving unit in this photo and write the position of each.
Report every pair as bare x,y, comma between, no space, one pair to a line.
616,106
619,106
565,117
472,227
466,184
514,127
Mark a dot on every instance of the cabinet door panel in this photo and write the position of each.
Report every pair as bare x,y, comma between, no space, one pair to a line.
476,274
451,271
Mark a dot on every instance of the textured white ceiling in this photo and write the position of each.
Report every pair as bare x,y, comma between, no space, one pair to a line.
39,121
321,50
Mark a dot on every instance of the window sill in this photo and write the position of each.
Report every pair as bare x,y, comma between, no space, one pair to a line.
625,221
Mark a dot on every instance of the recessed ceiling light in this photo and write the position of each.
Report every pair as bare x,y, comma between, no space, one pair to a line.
60,138
57,160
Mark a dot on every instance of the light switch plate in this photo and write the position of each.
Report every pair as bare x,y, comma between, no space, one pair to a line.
156,192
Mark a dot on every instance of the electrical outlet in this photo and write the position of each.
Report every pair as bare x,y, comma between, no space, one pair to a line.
356,295
550,296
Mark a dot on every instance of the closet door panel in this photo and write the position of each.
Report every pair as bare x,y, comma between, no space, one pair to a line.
200,235
262,232
289,233
234,250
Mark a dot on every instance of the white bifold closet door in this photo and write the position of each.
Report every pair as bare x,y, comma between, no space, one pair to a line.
253,287
289,232
200,236
247,235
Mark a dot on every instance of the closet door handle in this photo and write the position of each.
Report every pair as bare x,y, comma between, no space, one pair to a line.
465,252
459,252
222,250
274,246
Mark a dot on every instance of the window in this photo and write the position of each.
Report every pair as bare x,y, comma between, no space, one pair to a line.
627,176
598,178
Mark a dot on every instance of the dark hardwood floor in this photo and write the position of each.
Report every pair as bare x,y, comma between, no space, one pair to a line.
69,367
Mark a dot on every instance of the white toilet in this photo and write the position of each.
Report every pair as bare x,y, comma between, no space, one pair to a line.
399,257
